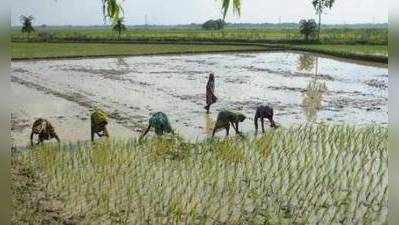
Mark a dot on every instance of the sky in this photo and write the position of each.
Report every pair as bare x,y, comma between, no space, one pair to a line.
171,12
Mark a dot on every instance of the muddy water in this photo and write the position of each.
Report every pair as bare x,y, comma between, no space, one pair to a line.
130,89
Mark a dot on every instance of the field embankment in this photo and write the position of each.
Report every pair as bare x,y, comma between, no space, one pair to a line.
76,50
368,44
373,53
300,175
44,50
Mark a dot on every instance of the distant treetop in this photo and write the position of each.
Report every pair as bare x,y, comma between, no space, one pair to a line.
27,24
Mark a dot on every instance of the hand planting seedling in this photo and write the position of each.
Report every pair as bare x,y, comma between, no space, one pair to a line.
44,130
160,122
288,176
226,118
263,112
99,122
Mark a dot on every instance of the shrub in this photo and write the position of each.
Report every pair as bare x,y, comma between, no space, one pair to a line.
213,24
45,36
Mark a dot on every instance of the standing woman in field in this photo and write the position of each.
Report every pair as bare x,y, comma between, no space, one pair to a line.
210,92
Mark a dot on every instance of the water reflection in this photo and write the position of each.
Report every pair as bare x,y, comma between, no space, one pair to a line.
120,61
313,95
209,124
306,62
312,99
168,83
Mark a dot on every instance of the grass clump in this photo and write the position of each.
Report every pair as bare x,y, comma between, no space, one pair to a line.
168,147
306,175
229,151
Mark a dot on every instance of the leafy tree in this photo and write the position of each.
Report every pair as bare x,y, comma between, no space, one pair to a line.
118,26
213,24
27,24
320,6
307,28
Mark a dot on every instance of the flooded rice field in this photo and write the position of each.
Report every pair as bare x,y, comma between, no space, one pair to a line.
302,88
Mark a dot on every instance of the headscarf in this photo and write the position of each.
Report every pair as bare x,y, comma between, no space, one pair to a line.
160,122
99,118
43,128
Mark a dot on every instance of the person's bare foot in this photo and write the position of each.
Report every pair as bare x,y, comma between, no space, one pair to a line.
207,109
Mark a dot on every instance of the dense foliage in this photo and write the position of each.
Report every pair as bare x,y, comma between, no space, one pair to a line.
27,24
118,26
307,28
213,24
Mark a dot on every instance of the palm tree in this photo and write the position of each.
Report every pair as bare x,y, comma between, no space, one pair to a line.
112,9
320,6
118,26
27,24
236,4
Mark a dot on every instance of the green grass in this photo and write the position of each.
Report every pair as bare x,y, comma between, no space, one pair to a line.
360,43
298,175
374,50
377,36
22,50
55,50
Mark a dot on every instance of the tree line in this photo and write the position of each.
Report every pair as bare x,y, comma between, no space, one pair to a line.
113,10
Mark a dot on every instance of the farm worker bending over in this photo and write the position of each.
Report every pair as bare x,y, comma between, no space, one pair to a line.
99,122
44,130
160,122
210,92
225,118
263,112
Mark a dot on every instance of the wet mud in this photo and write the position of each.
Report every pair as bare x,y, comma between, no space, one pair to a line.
377,83
130,89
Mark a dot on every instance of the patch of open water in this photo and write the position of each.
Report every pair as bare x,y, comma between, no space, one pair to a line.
130,89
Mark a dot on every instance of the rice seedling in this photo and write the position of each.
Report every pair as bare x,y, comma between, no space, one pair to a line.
299,175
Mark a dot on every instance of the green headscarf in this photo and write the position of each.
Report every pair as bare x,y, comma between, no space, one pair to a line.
160,123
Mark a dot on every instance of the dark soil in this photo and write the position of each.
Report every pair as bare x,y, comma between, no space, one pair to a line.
31,202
